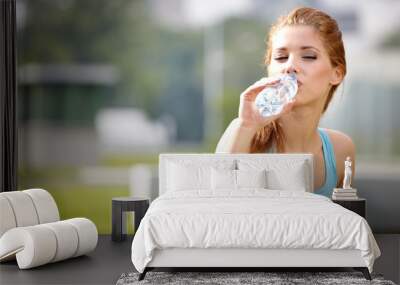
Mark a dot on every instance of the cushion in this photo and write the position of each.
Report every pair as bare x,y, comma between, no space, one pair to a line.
7,220
251,178
87,233
46,207
294,180
223,179
32,246
23,208
290,174
188,175
228,179
67,240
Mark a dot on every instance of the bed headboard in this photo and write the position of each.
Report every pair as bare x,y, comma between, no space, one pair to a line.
203,158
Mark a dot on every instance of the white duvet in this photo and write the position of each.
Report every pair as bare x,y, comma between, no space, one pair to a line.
252,218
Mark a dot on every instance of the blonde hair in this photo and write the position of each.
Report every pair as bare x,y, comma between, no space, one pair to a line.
331,37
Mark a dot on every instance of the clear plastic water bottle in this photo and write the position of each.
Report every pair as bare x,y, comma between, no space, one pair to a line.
271,99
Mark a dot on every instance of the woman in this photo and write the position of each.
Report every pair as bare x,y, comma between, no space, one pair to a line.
309,43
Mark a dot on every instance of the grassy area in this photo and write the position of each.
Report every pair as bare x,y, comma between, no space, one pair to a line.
27,177
125,160
92,202
128,161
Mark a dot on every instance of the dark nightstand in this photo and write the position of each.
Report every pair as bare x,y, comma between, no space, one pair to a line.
120,205
357,205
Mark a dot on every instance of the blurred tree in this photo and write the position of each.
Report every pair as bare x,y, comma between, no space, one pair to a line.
95,31
153,62
182,95
244,61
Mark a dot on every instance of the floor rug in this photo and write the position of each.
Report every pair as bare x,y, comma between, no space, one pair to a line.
225,278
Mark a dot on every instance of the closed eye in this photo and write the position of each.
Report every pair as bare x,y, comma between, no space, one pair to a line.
281,58
310,57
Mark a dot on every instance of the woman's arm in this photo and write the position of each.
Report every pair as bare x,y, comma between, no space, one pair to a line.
236,138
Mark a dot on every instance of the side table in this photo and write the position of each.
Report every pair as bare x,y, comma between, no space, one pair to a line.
358,206
120,205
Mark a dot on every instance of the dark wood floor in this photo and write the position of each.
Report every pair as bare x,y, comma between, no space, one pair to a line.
111,259
102,266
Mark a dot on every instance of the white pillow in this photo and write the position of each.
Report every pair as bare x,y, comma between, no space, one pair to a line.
228,179
294,179
192,174
282,174
223,179
183,177
251,178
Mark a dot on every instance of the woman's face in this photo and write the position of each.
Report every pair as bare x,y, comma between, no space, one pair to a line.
299,49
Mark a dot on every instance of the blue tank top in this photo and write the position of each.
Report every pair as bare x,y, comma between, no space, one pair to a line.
330,166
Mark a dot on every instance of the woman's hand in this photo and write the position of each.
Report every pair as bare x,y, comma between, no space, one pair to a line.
238,135
249,115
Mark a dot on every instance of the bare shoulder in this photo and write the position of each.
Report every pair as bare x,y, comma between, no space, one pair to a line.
343,147
342,143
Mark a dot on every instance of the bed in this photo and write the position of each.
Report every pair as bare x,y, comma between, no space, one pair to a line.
246,211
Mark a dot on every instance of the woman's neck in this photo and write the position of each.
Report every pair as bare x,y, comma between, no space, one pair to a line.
300,129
